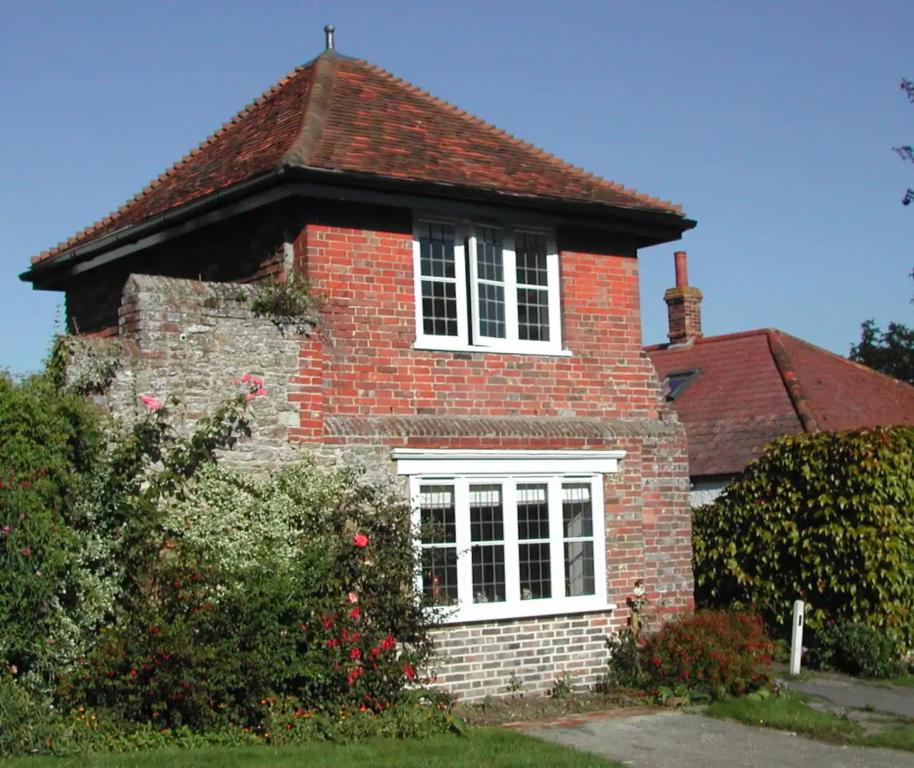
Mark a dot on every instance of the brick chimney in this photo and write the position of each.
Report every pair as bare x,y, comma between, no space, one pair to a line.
683,305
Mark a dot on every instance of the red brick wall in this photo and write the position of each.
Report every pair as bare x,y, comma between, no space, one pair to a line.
368,329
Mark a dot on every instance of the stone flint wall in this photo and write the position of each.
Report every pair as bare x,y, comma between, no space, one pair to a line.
194,340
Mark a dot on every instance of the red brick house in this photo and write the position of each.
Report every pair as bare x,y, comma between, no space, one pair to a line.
478,340
737,392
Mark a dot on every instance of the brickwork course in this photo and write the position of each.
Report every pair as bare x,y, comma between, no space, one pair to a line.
165,285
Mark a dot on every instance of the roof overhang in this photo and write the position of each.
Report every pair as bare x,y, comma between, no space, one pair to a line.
643,227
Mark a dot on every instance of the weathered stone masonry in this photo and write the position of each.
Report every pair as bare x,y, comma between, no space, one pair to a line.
353,387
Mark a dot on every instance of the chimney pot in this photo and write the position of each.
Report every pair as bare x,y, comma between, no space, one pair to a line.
683,305
329,29
682,269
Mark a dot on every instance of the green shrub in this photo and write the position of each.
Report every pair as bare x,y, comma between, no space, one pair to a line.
857,649
191,598
827,518
312,599
624,668
713,652
50,444
28,723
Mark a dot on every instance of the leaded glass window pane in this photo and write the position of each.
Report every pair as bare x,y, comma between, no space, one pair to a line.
436,250
488,549
489,261
438,272
535,571
579,578
439,308
577,530
437,519
533,537
438,536
491,310
577,511
530,250
490,289
532,512
533,314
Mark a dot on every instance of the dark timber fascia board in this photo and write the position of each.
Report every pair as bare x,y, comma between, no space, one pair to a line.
647,227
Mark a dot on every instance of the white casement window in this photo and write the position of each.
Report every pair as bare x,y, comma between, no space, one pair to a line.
485,287
506,534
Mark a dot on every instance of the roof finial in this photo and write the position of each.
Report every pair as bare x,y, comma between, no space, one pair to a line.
329,29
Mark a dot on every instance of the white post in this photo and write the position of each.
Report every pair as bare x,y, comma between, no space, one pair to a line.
796,640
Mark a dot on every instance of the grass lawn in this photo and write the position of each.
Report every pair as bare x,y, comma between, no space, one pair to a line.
490,747
905,680
790,712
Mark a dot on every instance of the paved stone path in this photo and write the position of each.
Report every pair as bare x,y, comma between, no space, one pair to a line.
853,694
683,740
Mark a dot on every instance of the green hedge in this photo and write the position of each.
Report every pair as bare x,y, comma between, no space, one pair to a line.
827,518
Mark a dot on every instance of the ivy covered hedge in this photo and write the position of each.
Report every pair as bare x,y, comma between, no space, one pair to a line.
827,518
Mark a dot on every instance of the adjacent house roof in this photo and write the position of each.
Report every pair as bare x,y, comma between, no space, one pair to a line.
348,116
749,388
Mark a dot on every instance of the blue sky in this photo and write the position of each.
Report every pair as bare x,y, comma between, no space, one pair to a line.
771,122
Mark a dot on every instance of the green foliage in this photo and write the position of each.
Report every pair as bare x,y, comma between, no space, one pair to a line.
787,712
28,724
158,597
51,443
857,649
890,352
563,687
284,300
712,652
624,668
827,518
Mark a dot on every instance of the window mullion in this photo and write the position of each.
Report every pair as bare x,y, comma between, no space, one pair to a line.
553,278
474,287
512,565
460,272
599,536
510,275
556,541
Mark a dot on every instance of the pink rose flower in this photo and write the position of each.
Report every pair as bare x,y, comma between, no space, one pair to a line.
254,381
352,597
150,402
360,540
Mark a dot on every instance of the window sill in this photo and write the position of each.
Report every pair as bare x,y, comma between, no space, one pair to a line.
440,346
486,612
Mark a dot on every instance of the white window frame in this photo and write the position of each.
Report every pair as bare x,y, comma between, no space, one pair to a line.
468,311
510,468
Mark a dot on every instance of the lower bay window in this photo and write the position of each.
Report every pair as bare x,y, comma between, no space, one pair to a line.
507,534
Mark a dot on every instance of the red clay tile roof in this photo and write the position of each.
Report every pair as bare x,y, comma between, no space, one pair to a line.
758,385
343,114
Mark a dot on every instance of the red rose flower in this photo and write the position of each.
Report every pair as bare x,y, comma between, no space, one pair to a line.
360,540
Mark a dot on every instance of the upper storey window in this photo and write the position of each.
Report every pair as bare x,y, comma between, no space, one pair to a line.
483,287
